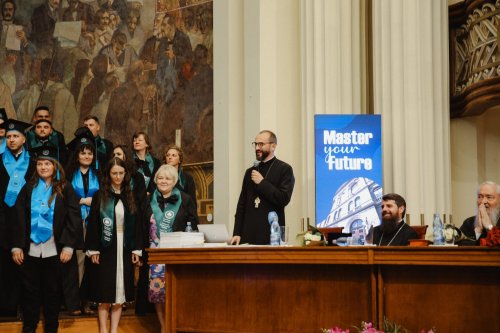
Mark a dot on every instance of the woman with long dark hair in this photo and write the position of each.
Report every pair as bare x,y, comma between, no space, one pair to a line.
45,234
113,243
84,177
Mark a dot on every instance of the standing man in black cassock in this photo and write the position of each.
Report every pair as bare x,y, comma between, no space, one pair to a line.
267,186
16,169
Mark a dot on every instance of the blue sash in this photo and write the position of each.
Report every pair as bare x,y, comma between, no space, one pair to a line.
16,170
42,215
79,188
3,145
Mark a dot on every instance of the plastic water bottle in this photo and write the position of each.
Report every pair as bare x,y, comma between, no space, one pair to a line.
437,226
272,217
188,227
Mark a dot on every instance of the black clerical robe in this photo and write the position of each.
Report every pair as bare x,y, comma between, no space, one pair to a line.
256,201
399,237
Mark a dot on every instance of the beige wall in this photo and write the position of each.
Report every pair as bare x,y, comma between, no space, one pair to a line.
475,158
256,86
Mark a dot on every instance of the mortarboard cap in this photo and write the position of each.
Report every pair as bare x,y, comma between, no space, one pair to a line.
83,136
16,125
46,152
3,114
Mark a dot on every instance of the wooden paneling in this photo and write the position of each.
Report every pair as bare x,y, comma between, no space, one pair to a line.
300,289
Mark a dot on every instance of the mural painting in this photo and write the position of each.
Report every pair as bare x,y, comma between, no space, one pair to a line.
141,65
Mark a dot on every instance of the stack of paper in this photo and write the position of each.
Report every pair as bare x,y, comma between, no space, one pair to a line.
181,239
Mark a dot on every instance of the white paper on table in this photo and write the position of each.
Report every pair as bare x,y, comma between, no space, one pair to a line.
69,30
11,40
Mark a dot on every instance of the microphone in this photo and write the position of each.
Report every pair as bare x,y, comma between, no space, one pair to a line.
256,164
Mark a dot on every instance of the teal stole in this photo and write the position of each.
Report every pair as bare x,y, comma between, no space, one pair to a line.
100,148
151,167
107,218
42,214
16,170
165,217
33,142
3,145
79,188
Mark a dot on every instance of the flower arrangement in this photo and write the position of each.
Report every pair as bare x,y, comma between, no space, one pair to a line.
368,327
312,237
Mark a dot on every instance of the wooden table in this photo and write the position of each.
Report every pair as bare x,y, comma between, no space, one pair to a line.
301,289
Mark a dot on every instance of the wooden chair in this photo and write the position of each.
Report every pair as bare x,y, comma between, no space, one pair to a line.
326,231
421,230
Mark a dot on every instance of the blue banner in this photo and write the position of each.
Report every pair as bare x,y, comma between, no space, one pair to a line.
348,172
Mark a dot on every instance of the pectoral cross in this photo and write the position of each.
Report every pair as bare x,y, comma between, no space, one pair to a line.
257,202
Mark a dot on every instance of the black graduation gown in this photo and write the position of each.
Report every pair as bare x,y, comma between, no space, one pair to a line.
102,277
274,192
67,226
9,281
7,214
143,164
189,187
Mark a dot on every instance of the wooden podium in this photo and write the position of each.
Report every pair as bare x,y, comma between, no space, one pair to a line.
302,289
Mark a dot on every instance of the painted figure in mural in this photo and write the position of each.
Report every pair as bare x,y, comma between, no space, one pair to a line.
393,231
119,55
198,112
27,48
80,80
57,96
102,32
100,110
78,11
133,31
95,88
43,22
267,186
119,6
120,120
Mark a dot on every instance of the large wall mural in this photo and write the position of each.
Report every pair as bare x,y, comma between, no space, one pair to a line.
136,65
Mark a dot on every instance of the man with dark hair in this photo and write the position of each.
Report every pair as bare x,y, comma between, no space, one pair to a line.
267,187
104,147
16,169
488,214
393,230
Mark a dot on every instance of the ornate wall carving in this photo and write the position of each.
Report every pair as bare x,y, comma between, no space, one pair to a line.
474,57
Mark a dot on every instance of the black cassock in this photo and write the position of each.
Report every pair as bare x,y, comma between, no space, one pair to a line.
399,237
256,201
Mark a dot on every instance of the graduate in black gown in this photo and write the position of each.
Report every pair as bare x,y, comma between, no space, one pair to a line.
113,242
267,187
174,156
83,174
45,234
16,169
393,231
146,163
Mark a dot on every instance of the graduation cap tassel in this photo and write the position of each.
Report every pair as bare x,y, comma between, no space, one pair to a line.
58,173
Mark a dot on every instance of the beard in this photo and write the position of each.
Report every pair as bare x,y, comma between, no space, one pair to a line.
263,155
494,214
389,224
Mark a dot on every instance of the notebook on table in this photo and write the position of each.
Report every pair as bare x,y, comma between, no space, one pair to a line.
214,233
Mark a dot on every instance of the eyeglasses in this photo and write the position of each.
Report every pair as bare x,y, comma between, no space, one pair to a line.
260,144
